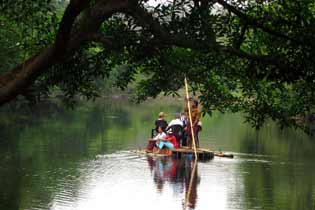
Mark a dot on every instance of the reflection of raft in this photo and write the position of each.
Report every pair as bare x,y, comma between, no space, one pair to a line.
203,154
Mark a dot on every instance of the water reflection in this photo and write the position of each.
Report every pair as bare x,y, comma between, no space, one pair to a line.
57,159
181,174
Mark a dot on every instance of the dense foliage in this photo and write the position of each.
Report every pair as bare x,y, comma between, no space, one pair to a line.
26,27
253,56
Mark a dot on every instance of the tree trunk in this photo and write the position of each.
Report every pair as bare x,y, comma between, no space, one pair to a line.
67,41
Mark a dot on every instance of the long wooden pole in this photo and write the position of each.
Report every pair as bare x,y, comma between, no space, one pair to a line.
190,120
192,177
195,149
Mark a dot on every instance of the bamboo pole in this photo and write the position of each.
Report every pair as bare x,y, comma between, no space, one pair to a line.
190,120
192,177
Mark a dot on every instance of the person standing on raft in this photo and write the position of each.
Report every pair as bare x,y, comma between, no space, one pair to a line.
195,116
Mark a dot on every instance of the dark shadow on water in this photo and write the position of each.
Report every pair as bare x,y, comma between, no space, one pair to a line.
177,173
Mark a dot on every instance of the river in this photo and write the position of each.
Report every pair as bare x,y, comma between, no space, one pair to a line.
81,159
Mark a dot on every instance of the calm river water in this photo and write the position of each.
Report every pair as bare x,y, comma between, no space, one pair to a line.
51,158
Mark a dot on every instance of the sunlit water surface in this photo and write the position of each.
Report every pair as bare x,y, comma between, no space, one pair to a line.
56,159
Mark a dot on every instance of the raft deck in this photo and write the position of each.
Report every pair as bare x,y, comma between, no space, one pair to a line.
203,154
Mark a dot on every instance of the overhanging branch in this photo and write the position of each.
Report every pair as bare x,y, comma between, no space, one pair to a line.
65,27
255,22
67,41
146,20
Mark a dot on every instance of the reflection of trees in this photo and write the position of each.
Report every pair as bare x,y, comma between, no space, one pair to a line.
271,140
111,114
178,173
9,176
276,186
39,151
252,144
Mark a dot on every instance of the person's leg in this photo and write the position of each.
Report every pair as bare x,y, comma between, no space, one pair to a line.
169,145
150,146
197,136
184,139
198,131
189,137
161,144
197,140
178,139
189,141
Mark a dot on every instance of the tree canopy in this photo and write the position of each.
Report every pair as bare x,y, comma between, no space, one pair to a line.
250,56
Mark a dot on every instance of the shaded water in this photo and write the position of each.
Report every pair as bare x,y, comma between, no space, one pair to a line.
81,159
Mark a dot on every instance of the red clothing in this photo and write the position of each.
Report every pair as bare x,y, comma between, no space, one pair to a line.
173,140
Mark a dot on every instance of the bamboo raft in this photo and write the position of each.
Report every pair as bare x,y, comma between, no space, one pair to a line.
198,153
203,154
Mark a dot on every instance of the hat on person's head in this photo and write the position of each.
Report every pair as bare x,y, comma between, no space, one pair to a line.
161,114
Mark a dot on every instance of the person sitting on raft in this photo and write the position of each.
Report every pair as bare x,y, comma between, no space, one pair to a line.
176,121
177,127
169,141
161,122
152,141
160,135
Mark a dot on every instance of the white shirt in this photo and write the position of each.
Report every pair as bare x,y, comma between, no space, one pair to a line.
160,136
176,122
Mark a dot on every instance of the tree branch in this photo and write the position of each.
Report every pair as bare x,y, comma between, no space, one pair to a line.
101,38
264,59
255,22
241,38
24,75
146,20
63,35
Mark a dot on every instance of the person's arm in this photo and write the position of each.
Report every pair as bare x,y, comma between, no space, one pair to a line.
186,106
166,125
167,138
160,136
197,117
157,137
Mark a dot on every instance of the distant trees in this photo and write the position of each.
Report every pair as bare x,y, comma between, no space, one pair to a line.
255,56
